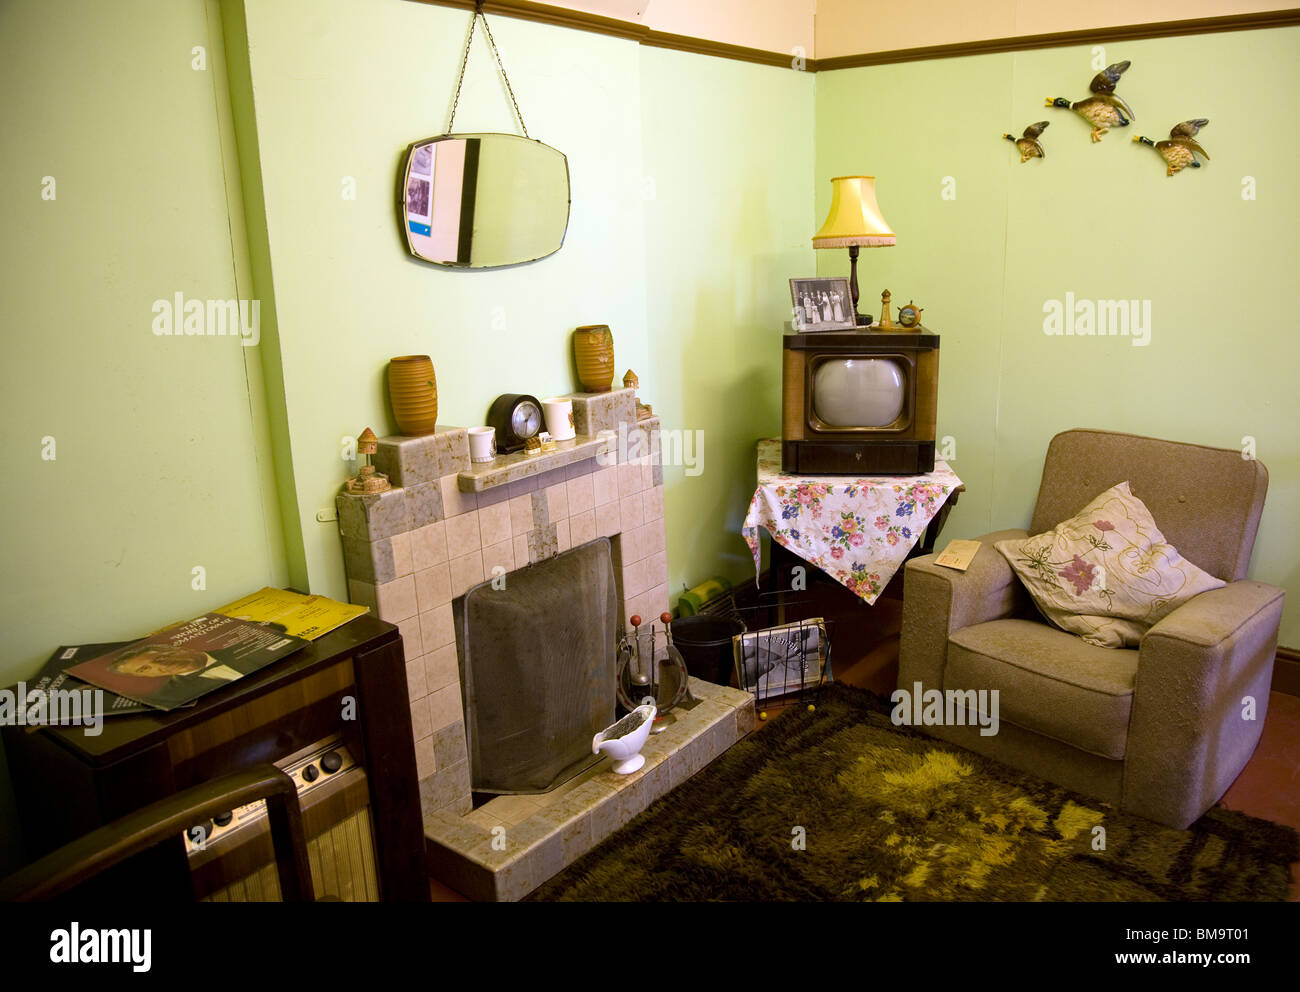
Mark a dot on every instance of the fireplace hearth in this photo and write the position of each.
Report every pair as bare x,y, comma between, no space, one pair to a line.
413,553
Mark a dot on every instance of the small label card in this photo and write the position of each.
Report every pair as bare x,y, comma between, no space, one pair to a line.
958,554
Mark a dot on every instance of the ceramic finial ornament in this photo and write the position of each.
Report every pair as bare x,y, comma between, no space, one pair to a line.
369,480
1028,144
1180,151
1103,110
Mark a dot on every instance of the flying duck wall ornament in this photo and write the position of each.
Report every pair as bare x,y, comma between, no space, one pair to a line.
1103,110
1180,151
1028,144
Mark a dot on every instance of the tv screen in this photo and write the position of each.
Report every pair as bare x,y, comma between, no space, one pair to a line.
859,392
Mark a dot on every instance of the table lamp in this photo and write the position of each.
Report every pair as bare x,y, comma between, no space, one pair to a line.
854,220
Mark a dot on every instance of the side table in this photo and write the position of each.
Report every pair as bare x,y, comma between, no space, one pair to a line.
859,531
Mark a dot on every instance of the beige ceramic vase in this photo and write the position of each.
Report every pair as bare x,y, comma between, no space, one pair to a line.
414,394
593,348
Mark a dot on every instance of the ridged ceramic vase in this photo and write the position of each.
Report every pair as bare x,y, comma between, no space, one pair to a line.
593,348
414,393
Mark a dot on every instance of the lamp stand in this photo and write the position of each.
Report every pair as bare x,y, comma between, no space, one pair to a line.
858,319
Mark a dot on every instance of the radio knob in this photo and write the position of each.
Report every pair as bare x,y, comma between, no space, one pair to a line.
200,833
310,774
331,762
223,819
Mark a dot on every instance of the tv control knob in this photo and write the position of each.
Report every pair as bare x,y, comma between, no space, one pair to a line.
223,819
200,833
330,762
310,774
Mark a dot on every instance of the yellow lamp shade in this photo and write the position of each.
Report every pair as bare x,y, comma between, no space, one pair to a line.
854,217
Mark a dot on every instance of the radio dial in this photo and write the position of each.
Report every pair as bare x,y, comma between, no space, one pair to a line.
310,773
331,762
223,819
201,833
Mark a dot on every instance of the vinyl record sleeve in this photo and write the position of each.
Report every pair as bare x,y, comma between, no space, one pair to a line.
178,665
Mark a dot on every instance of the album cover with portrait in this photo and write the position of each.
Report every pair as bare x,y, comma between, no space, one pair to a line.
178,665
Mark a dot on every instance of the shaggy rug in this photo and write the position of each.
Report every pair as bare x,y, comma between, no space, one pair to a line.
838,804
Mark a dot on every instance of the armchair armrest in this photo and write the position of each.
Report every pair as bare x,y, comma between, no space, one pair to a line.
939,600
1191,731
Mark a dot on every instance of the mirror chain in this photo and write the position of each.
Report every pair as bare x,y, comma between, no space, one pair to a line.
464,59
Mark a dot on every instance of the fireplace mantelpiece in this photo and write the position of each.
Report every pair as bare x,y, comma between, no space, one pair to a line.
445,527
412,550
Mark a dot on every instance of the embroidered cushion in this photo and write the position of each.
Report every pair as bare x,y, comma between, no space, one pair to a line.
1107,573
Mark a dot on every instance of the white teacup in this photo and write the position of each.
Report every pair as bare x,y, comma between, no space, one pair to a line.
482,444
559,418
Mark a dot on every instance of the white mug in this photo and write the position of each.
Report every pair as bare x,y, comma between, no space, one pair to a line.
482,444
559,418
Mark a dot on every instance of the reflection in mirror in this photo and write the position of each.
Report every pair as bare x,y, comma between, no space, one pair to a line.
484,200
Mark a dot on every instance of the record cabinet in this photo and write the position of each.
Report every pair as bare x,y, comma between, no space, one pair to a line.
334,716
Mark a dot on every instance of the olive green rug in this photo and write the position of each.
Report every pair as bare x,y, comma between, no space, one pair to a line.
839,804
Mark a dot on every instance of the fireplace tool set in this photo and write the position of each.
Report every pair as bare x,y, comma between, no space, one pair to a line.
651,670
789,662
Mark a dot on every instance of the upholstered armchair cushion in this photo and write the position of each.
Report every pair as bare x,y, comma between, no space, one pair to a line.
1048,681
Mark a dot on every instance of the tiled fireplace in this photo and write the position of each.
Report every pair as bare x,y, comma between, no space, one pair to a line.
448,525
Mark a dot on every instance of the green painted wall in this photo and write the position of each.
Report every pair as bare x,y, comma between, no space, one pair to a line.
1103,222
341,110
161,457
692,203
729,220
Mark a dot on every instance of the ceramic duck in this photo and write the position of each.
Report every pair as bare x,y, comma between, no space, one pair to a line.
1104,109
1180,151
1028,144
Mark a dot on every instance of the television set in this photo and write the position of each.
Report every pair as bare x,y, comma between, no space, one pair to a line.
859,402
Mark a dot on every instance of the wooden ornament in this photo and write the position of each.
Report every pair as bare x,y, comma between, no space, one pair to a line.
884,311
368,480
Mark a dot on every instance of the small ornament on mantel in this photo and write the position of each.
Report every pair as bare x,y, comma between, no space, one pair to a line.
593,351
368,481
630,381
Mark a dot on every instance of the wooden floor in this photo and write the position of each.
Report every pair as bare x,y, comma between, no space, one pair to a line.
865,655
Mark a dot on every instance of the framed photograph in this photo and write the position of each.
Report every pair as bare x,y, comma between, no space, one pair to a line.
822,305
781,660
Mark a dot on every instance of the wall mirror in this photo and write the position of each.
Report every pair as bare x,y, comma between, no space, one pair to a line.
480,201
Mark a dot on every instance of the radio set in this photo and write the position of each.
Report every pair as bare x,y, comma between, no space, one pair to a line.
356,778
231,857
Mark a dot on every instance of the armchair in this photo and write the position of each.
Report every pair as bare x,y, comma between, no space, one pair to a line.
1160,730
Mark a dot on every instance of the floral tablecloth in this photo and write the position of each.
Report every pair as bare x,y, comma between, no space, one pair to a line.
858,531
